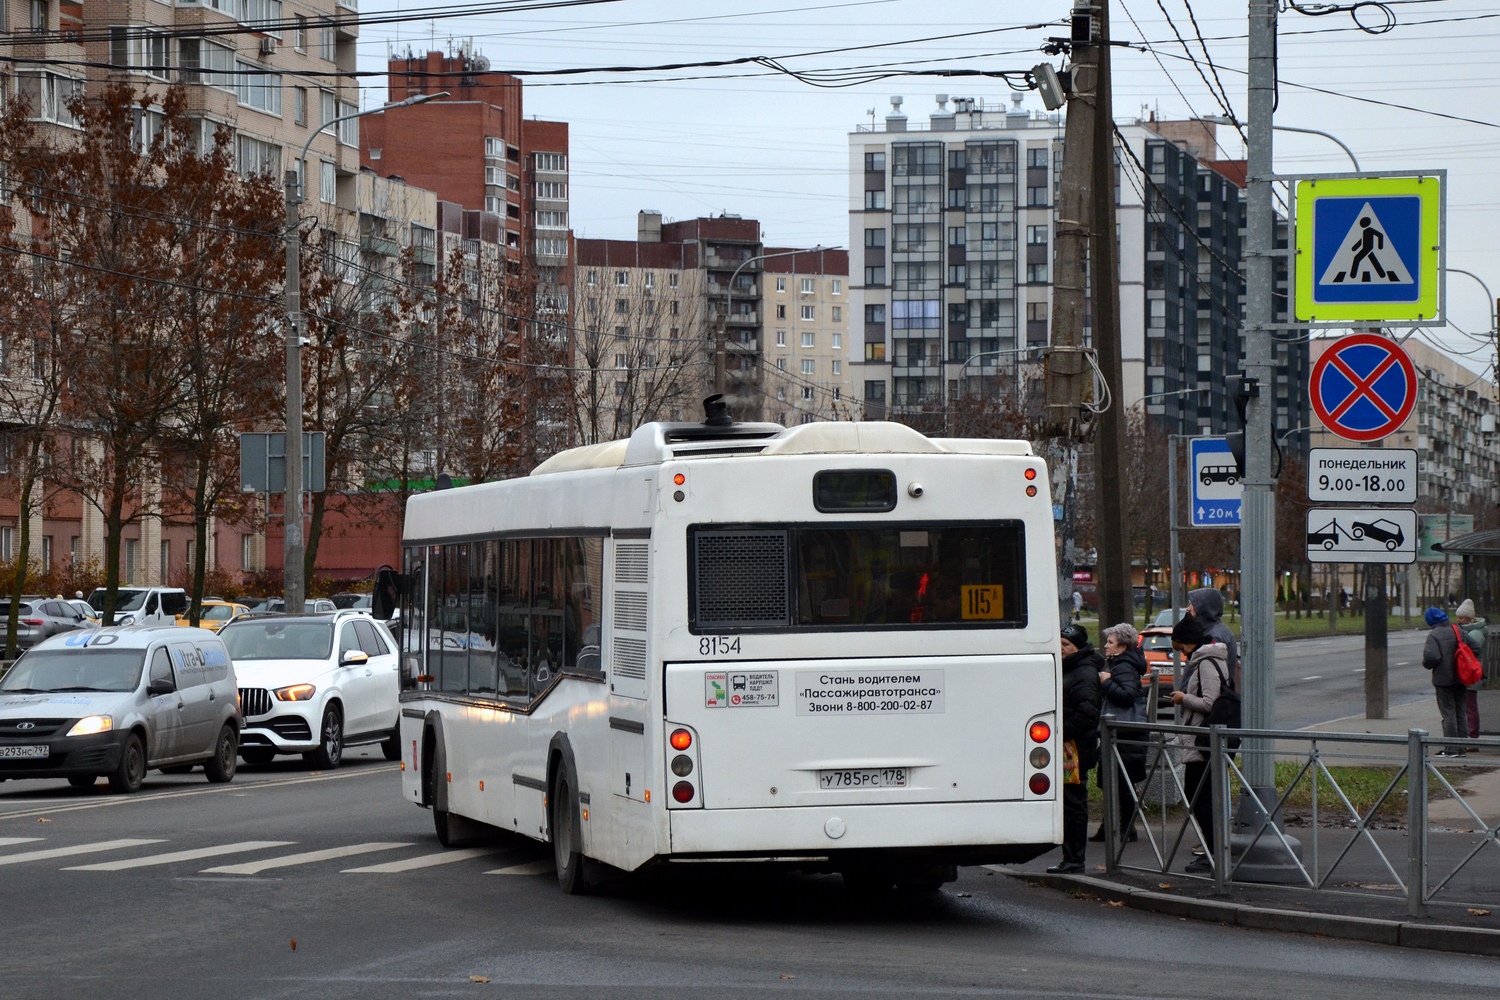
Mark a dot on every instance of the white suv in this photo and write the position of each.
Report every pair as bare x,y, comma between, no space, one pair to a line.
315,684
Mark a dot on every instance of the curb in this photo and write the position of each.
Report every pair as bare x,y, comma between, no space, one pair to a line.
1402,934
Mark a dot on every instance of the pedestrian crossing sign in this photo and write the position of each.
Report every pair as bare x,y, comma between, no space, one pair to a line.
1369,249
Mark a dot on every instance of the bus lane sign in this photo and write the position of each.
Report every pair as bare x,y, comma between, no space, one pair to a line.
869,692
741,689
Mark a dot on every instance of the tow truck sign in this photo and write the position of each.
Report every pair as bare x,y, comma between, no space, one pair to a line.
1361,535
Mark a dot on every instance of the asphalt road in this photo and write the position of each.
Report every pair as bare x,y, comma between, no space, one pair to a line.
1318,680
237,875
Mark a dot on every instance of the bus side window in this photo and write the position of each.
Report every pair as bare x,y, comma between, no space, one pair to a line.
585,570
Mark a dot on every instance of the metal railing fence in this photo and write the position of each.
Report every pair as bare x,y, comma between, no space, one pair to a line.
1320,852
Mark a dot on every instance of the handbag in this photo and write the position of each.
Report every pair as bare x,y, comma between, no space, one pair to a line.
1071,772
1225,711
1465,664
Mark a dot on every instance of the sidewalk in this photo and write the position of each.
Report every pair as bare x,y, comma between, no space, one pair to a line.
1361,898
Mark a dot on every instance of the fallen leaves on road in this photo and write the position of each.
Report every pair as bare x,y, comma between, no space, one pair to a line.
1164,885
1474,911
787,975
1099,868
479,979
294,944
43,819
1115,902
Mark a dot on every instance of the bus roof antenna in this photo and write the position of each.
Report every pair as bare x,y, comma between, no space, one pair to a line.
716,412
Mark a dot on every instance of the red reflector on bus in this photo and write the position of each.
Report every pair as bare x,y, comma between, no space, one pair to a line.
1039,784
683,791
1030,473
681,739
1040,732
1031,491
679,479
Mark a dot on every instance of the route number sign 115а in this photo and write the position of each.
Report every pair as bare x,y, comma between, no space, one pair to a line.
1362,475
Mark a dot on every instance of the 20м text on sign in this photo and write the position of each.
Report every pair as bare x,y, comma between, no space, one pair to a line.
1369,249
1363,387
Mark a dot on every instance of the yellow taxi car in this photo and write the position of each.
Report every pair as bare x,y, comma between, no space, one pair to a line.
216,614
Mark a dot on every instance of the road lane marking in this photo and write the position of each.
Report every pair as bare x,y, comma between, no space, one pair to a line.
251,786
307,858
529,868
175,856
10,841
63,852
1314,677
425,861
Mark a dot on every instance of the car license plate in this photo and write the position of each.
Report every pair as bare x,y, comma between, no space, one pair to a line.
32,752
870,777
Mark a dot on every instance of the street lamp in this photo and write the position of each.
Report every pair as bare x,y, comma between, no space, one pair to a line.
293,546
729,303
1224,120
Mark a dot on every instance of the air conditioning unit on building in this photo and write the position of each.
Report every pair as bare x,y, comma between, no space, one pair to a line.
268,46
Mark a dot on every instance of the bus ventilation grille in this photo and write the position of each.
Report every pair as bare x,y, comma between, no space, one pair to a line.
630,658
741,578
630,562
630,611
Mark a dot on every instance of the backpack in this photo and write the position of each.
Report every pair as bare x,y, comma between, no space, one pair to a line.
1225,711
1465,663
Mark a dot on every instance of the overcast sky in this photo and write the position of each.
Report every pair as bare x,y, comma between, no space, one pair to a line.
764,145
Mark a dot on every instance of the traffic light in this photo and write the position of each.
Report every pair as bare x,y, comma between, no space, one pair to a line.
1242,389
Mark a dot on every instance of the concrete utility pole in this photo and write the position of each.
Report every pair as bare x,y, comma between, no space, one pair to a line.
1066,366
1116,595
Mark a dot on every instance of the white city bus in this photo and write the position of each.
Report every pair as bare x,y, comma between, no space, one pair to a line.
832,646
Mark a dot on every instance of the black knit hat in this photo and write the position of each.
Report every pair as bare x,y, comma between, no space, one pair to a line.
1190,631
1077,635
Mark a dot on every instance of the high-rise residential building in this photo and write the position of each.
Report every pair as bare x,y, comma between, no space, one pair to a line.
475,148
783,311
953,224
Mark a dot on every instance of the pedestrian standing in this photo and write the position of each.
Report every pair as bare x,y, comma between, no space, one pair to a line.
1207,604
1077,605
1081,664
1475,629
1124,697
1439,655
1208,674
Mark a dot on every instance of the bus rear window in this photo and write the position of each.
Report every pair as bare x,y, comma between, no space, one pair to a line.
891,575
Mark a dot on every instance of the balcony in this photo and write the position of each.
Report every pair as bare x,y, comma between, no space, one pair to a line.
383,246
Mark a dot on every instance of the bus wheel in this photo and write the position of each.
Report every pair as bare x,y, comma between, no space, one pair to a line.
440,826
574,871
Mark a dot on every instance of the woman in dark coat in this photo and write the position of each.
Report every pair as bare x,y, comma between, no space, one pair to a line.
1125,699
1080,722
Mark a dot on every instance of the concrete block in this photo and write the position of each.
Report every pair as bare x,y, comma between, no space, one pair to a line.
1441,937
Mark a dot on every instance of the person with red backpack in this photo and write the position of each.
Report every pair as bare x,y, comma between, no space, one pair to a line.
1450,654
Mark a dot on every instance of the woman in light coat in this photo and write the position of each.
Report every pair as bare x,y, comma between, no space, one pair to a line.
1208,674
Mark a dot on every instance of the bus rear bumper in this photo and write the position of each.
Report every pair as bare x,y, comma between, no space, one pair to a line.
956,833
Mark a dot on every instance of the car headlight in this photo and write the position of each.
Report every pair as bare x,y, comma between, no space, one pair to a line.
297,692
90,725
127,620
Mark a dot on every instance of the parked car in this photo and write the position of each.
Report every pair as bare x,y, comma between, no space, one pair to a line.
144,605
86,609
314,685
216,614
41,618
311,606
118,702
348,600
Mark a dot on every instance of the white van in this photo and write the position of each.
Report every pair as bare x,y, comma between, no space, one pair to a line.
117,702
144,605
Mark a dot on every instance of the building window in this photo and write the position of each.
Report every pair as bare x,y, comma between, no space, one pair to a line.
1036,197
781,312
836,287
552,220
809,313
142,49
494,204
256,156
781,394
327,44
838,367
622,306
49,95
874,237
328,182
875,313
261,91
957,274
874,201
809,366
556,190
809,338
556,162
1036,274
622,278
838,342
874,276
7,544
349,128
672,281
781,364
807,394
874,161
1036,157
494,147
1036,235
299,110
781,284
780,338
592,279
838,314
299,34
807,286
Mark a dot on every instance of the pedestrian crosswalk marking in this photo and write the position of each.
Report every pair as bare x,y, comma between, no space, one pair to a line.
176,856
307,858
529,868
12,841
424,861
63,852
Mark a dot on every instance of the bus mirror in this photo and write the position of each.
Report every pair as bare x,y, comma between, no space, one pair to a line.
388,585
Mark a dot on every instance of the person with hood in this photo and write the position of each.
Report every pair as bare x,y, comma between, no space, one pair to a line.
1208,674
1440,655
1207,604
1475,628
1081,665
1125,699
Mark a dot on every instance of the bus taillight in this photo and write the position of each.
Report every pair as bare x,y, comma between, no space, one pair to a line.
1039,784
683,792
681,739
1040,732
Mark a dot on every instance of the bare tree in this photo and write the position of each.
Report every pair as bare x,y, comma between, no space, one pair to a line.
639,355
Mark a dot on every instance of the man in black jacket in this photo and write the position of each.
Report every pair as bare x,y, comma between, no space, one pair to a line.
1080,721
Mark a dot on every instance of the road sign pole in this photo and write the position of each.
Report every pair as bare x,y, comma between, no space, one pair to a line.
1377,694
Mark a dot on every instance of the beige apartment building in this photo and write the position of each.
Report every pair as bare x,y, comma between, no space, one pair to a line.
807,324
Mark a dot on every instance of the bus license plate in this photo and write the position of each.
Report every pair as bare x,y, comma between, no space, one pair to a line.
31,752
875,777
